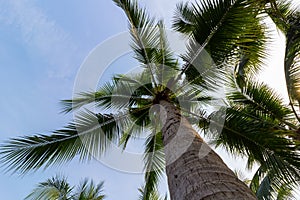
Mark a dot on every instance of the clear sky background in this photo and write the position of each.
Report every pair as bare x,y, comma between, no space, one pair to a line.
42,45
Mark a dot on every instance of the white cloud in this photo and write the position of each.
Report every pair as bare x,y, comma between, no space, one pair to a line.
162,9
41,35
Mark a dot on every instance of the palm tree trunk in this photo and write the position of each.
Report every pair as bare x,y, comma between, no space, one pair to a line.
193,169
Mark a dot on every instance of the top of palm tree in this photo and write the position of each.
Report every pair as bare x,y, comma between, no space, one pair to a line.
52,189
57,188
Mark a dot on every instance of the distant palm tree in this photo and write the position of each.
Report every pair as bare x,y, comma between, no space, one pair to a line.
57,188
167,100
154,195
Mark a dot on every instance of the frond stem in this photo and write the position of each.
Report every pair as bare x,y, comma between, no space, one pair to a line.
206,41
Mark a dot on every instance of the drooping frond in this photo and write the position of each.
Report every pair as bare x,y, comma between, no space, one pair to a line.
89,135
292,59
52,189
265,189
256,126
267,186
285,192
139,121
57,188
154,163
279,11
262,142
226,29
121,92
287,19
184,19
191,97
258,100
88,190
153,196
102,97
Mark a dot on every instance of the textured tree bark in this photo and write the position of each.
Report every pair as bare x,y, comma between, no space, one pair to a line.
193,169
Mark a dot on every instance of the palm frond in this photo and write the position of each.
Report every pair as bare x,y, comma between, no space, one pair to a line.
262,142
144,32
184,19
154,163
265,189
292,59
149,43
279,11
257,100
117,95
88,190
193,99
89,135
167,66
153,196
285,192
139,121
257,125
52,189
287,19
225,29
267,186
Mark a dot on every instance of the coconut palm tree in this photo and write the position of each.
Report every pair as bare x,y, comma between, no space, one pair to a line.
153,196
259,107
252,102
87,190
287,20
256,112
57,188
167,101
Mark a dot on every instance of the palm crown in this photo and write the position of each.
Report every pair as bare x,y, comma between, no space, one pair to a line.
257,123
58,188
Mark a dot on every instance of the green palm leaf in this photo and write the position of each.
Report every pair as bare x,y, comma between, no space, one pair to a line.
144,32
149,43
138,124
115,95
287,20
57,188
153,196
256,127
154,163
52,189
87,190
292,58
256,140
184,19
267,186
257,99
226,29
87,136
279,11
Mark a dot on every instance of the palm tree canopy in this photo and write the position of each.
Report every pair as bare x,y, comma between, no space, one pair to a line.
52,189
87,190
57,188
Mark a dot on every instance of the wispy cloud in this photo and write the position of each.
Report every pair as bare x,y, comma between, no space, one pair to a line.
163,9
40,34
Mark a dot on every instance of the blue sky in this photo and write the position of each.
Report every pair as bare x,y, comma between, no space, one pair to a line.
42,45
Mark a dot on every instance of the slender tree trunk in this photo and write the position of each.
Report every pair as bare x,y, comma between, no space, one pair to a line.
193,169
